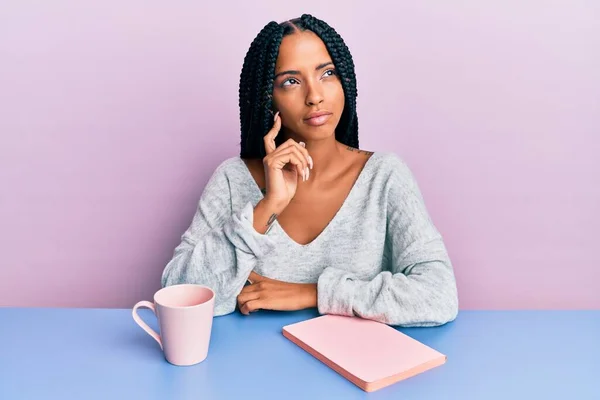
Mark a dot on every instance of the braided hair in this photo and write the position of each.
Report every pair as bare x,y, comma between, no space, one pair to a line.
256,83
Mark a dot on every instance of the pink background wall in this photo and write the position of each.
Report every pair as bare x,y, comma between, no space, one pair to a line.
114,115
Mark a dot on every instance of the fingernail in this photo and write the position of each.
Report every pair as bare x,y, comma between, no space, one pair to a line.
307,173
304,175
302,144
275,117
310,162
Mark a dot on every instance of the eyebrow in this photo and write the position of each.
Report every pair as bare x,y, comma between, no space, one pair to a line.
293,72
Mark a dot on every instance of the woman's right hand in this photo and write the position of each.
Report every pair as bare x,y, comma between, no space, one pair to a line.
284,167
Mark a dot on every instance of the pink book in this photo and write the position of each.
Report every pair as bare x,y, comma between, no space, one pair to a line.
370,354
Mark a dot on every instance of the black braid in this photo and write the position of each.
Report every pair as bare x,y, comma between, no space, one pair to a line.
256,83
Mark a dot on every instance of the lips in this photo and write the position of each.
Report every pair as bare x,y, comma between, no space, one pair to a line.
317,118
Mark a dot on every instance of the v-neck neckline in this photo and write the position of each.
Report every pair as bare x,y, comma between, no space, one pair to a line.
336,216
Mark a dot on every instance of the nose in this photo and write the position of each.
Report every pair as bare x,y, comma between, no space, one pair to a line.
314,96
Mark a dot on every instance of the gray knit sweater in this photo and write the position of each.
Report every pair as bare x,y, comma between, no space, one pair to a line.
381,257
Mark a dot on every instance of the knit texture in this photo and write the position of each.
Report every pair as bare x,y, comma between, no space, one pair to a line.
380,258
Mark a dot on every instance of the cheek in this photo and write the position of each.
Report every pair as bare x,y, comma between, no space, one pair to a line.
339,99
285,103
291,108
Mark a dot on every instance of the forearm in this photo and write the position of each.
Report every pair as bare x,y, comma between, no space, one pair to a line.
425,297
311,295
221,258
265,214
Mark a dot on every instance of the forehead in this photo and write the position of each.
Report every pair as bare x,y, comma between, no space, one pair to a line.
301,50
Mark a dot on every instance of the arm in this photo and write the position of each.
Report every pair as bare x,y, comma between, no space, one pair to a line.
420,288
221,247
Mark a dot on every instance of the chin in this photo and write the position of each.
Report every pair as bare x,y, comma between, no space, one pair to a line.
319,132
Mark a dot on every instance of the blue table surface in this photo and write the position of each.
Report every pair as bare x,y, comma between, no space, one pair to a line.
55,353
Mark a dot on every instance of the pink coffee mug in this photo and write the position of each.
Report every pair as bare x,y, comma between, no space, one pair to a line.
185,316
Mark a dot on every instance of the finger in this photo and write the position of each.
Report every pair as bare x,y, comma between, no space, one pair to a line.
241,300
269,138
245,297
250,306
254,277
305,152
251,288
305,173
298,149
289,156
301,147
279,159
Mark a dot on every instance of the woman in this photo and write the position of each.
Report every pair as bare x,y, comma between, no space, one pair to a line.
303,216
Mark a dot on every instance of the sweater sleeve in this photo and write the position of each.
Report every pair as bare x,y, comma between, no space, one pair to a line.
220,248
419,289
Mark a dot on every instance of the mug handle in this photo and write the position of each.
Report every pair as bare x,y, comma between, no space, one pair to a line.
141,322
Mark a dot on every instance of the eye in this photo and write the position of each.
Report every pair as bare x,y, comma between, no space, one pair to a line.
291,81
329,72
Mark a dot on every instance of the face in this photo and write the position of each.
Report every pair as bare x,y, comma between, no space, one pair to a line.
307,91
